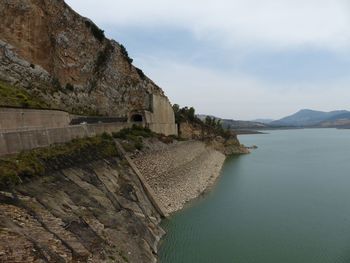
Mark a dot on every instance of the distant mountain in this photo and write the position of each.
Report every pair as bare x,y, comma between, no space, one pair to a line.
303,118
237,124
265,121
339,121
308,117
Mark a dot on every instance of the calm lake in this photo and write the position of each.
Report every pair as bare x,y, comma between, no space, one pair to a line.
286,202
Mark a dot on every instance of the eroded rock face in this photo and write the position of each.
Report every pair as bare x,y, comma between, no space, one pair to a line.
90,213
55,53
227,146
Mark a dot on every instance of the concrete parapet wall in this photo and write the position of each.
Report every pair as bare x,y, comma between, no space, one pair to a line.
15,142
15,119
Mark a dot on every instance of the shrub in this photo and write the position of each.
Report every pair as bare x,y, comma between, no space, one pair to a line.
210,125
102,57
125,54
133,137
185,114
141,74
135,131
69,87
95,30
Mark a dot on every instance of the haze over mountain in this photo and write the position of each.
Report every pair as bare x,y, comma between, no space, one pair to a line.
266,121
237,124
303,118
307,117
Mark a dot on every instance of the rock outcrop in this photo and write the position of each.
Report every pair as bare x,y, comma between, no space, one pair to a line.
65,59
229,145
95,212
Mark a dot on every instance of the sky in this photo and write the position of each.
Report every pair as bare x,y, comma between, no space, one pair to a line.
237,59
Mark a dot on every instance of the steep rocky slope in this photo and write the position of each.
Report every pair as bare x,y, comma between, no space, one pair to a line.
65,59
228,145
96,212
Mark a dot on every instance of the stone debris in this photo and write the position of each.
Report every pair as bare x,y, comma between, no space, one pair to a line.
180,172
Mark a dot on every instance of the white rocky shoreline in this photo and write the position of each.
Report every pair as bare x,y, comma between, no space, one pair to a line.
179,172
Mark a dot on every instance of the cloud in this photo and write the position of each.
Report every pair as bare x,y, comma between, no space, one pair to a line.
279,24
241,96
239,59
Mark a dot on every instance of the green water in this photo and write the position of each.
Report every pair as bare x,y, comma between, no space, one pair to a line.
287,202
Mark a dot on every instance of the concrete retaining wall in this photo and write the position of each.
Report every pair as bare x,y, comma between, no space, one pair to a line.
148,190
15,142
15,119
162,119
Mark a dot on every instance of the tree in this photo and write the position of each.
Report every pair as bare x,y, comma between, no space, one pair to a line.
191,114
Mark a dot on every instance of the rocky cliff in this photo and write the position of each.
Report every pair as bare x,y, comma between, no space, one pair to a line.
228,144
65,59
83,208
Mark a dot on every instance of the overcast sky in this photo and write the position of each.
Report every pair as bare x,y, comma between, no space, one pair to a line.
241,59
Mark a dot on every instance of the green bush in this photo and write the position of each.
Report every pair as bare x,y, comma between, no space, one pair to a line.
140,73
56,84
126,55
69,87
95,30
102,58
185,114
134,137
129,133
210,125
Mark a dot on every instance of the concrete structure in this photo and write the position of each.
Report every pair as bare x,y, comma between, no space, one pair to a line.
159,119
25,129
15,142
148,190
14,119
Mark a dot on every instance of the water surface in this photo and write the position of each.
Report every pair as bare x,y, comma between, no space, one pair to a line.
287,202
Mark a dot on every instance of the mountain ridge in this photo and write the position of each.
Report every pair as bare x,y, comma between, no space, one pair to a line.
308,117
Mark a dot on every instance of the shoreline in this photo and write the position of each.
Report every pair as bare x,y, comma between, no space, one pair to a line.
180,172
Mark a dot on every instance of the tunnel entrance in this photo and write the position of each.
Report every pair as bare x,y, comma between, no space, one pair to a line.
137,118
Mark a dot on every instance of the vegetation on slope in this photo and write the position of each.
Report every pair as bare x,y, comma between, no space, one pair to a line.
18,97
95,30
28,164
210,125
132,138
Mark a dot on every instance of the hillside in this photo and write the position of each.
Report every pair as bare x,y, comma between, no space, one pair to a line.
308,117
237,124
339,121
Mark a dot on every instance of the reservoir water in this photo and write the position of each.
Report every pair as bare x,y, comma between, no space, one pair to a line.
286,202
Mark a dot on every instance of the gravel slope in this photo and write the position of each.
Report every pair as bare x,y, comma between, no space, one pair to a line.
180,172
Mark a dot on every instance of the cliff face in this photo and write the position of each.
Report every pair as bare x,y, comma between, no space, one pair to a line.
65,59
227,146
96,212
